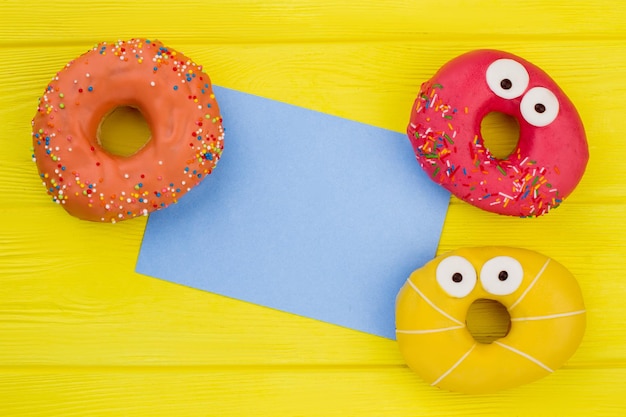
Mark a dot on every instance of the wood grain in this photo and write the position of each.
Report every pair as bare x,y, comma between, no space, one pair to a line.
82,334
251,22
288,392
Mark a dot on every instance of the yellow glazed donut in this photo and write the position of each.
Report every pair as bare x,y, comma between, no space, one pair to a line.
541,297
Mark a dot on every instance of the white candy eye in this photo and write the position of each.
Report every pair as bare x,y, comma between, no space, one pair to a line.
539,106
456,276
507,78
501,275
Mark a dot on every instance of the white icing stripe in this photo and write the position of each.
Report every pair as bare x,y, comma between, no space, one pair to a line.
532,284
453,367
525,355
426,331
430,303
549,316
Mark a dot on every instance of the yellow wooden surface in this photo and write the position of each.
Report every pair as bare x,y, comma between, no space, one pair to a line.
82,334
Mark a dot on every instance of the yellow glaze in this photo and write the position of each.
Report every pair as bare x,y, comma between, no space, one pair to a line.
547,324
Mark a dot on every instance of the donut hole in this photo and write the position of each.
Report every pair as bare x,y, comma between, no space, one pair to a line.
487,320
123,131
500,134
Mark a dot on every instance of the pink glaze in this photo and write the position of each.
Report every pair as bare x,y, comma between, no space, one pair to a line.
175,97
551,154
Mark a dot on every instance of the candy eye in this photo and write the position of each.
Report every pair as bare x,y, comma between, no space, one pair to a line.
507,78
456,276
501,275
539,106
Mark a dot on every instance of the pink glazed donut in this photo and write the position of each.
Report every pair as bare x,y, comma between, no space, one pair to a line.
551,154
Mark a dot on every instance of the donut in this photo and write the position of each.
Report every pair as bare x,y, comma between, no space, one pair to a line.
551,154
175,97
543,310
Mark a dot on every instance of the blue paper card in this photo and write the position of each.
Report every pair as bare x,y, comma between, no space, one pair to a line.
306,213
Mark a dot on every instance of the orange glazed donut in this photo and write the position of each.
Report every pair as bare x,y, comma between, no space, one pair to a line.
551,154
545,326
172,93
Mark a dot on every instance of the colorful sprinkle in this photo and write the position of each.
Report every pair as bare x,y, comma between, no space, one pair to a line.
436,143
96,190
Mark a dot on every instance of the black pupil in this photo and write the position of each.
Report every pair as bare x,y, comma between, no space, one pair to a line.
540,108
506,84
503,275
457,277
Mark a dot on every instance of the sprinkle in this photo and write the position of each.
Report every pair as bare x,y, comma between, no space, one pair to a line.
64,187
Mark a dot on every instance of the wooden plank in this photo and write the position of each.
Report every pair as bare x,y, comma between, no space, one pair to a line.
252,22
276,391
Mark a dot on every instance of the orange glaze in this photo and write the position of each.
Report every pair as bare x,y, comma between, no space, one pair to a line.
172,93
